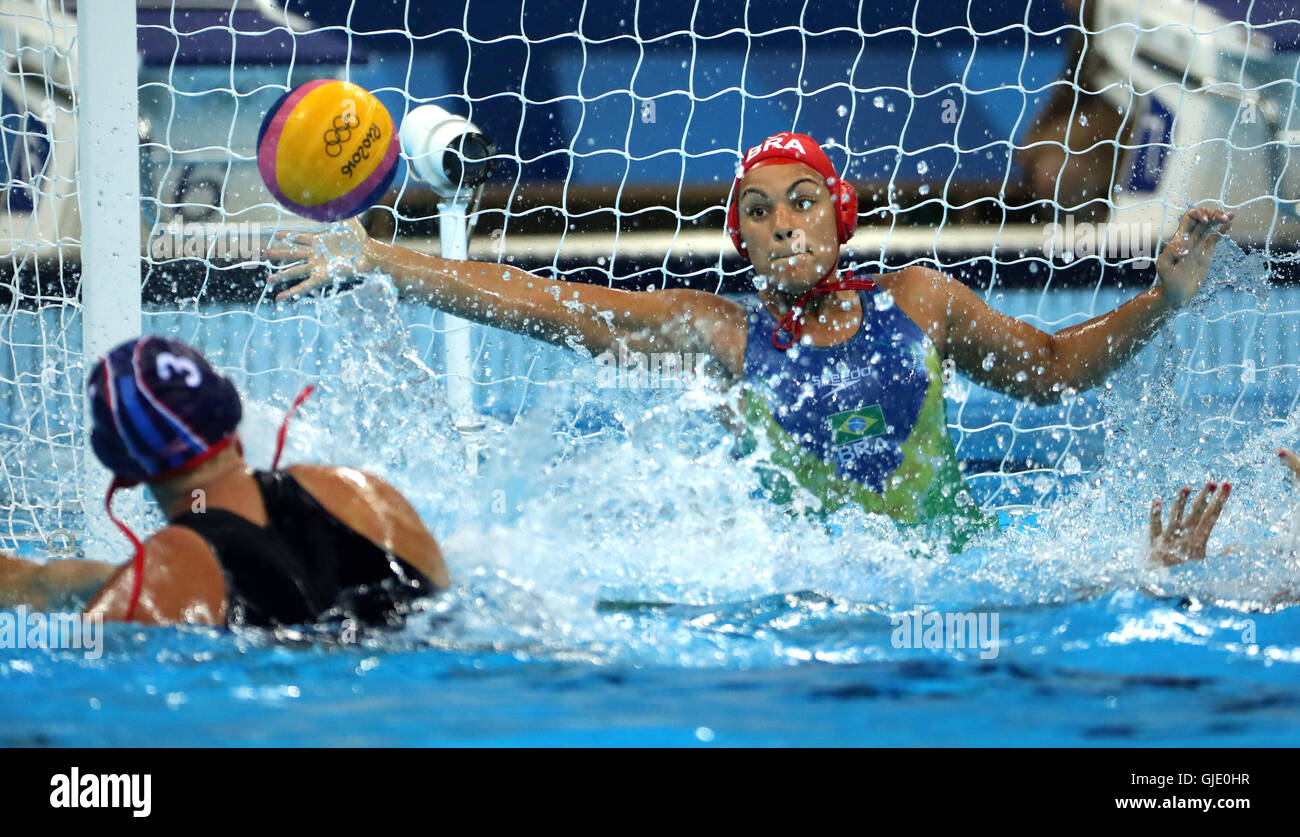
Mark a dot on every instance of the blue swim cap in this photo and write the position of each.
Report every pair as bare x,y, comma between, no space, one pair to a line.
158,408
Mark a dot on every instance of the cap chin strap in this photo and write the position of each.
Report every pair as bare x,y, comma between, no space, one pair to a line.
137,561
792,321
284,425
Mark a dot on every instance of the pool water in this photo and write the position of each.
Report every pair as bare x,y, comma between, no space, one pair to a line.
618,582
793,669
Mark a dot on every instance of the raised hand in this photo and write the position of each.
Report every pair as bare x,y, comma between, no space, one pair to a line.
1291,461
1185,536
1185,260
340,252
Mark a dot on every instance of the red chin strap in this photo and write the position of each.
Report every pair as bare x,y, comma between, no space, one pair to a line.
793,319
138,561
284,425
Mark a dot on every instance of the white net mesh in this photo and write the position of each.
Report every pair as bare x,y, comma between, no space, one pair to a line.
969,130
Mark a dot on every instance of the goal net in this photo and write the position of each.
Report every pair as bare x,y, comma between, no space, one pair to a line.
1039,152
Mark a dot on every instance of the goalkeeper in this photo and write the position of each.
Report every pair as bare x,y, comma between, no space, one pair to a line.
841,372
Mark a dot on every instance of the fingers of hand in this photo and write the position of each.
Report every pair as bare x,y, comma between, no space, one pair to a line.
1214,508
1156,512
317,277
291,272
1198,505
294,237
1205,224
1292,461
1176,513
291,252
1201,535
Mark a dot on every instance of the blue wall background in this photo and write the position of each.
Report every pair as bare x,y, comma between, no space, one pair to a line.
569,100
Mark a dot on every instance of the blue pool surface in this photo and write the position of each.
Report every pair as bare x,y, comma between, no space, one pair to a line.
1118,670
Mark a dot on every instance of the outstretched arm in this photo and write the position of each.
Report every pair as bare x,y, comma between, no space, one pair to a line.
564,313
1031,364
60,583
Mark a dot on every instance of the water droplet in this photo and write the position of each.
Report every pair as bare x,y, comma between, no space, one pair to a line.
879,101
987,364
842,110
922,167
884,301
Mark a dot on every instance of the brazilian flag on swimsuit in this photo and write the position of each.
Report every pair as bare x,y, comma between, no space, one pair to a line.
860,422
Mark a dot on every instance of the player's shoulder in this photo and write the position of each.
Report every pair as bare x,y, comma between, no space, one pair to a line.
338,479
376,510
182,581
698,303
178,543
914,277
357,497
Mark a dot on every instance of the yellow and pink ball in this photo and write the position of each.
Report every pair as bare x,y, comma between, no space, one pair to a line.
327,150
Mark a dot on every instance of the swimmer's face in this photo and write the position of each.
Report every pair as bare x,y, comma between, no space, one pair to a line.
787,222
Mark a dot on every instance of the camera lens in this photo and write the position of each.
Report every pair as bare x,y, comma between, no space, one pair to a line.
470,161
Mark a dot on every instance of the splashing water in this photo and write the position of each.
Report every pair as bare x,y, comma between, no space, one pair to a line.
653,507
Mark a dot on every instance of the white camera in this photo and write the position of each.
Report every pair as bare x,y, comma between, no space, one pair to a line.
446,151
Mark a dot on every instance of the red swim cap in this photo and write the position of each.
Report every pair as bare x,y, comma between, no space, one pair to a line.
786,147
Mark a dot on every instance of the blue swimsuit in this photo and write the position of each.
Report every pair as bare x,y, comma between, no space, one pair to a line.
863,421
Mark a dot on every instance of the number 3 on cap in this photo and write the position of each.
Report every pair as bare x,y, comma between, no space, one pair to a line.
169,364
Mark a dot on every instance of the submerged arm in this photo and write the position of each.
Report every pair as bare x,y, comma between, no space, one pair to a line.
53,584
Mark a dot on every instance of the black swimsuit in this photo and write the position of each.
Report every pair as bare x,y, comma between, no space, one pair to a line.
306,566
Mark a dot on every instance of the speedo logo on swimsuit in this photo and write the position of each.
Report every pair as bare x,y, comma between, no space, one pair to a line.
831,379
103,790
852,425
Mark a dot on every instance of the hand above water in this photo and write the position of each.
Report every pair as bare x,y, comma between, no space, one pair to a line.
1184,537
1291,461
339,252
1184,261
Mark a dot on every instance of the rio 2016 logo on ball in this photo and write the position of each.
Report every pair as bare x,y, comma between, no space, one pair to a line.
327,150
